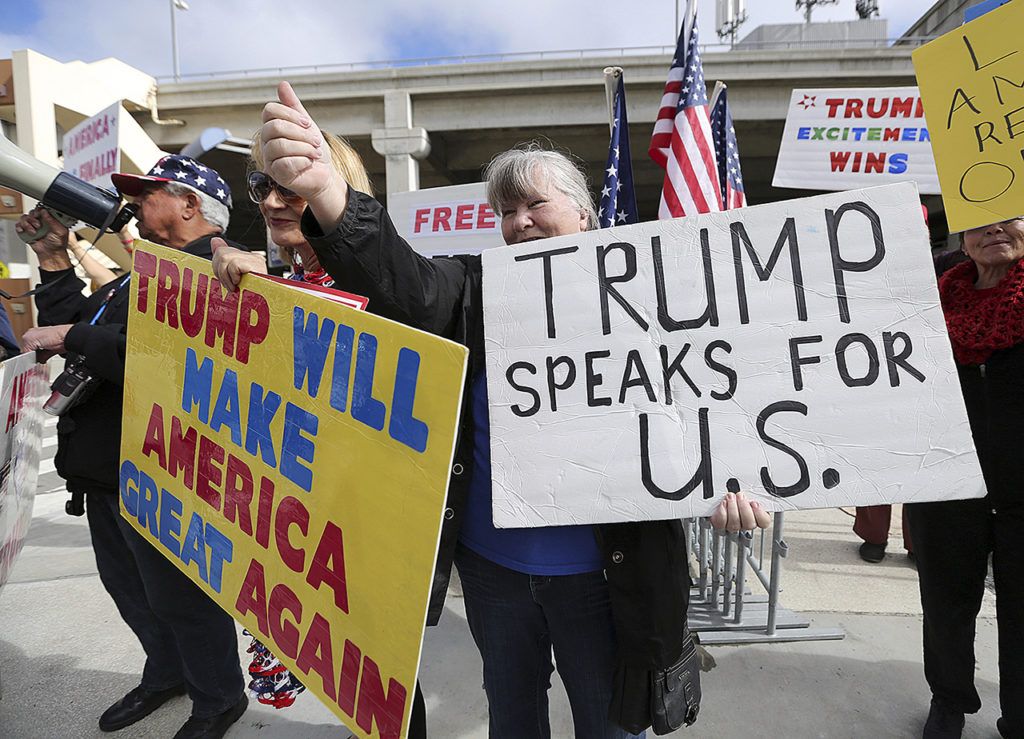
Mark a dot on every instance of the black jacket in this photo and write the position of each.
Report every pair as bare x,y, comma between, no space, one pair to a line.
89,434
645,563
994,396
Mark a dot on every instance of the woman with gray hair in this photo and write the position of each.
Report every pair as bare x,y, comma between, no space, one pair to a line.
609,600
513,176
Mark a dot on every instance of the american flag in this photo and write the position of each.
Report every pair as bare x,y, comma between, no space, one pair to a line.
681,143
618,200
727,153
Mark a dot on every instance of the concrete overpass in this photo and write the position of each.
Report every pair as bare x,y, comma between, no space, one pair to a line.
456,116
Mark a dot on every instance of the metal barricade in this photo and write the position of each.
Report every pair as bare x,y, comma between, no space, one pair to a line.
722,608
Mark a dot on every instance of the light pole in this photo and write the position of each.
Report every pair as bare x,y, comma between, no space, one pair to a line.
176,5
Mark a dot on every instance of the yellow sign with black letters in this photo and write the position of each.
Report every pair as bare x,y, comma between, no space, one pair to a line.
972,84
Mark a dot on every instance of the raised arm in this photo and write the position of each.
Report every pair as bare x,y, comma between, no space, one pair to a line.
353,237
61,300
297,157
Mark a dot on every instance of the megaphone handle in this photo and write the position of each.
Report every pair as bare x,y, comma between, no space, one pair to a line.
120,217
44,227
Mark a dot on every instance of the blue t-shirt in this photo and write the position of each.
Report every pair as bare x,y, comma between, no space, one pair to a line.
550,550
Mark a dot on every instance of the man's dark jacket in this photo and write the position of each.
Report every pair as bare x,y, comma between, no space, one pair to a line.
645,563
89,434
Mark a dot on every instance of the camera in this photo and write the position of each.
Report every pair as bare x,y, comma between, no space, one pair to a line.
68,388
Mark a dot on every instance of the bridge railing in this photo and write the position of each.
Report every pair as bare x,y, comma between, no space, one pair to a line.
528,56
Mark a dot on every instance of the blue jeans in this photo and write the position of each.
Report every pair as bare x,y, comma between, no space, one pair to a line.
516,620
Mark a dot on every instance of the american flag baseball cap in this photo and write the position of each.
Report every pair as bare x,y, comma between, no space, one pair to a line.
176,168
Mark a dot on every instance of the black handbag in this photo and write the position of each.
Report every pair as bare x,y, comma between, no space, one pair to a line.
675,691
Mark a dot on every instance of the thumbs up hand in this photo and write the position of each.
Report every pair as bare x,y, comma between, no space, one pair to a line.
297,157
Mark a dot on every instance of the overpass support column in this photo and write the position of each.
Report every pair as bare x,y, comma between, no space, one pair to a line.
402,144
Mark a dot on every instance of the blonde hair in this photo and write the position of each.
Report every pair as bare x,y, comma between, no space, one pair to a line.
345,159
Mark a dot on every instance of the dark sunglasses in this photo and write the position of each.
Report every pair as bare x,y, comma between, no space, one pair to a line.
260,185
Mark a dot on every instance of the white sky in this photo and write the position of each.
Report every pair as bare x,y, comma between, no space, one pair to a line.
219,35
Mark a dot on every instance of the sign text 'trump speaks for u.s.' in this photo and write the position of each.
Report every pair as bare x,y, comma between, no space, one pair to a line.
794,350
291,456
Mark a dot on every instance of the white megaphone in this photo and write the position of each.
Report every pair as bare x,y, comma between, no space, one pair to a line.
68,198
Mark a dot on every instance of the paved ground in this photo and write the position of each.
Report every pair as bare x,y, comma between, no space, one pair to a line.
65,655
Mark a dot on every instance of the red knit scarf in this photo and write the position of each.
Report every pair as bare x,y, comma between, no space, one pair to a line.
982,321
319,277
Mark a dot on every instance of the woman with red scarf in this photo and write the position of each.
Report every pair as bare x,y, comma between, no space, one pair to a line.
983,301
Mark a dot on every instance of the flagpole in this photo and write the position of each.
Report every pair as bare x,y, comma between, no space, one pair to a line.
680,143
719,88
611,86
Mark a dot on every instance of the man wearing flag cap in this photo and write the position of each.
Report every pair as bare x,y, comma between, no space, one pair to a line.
190,643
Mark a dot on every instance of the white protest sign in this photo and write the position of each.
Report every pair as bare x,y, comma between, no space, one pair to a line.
92,150
845,138
441,221
794,350
22,387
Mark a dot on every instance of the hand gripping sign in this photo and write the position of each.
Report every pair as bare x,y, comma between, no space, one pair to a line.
794,350
291,455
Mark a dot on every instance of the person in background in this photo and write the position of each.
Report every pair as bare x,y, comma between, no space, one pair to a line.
80,248
610,601
189,641
872,525
983,301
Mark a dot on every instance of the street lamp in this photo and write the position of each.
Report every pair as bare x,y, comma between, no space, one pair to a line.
176,5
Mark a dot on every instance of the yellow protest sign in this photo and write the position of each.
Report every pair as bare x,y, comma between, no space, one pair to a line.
291,456
972,85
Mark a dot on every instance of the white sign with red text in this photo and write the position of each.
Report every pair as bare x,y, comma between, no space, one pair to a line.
92,150
845,138
441,221
23,387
